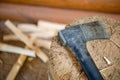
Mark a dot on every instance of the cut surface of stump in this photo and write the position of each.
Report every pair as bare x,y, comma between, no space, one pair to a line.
64,66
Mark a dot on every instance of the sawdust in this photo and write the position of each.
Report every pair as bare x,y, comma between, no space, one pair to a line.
64,66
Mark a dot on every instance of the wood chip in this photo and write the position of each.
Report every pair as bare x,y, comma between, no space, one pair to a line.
107,60
30,58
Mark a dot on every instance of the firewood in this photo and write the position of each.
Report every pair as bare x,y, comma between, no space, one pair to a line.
43,43
14,49
9,37
26,40
45,35
27,27
50,25
42,34
38,41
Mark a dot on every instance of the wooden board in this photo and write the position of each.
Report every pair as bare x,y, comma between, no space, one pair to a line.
64,66
97,5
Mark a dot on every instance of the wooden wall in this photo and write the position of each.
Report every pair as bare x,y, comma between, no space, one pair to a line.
95,5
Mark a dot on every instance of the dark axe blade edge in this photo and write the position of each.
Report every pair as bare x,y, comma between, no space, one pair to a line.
75,39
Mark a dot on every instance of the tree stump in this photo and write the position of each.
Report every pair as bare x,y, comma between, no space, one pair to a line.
64,66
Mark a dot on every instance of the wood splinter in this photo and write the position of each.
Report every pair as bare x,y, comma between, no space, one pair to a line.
107,60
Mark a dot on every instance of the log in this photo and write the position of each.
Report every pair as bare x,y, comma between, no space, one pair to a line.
26,40
24,13
64,66
102,5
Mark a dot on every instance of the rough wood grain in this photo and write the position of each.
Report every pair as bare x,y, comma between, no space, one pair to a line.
64,66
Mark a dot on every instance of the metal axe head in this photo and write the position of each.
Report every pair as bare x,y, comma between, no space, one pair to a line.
75,39
84,32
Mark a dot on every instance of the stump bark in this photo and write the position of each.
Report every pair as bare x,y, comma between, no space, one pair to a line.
64,66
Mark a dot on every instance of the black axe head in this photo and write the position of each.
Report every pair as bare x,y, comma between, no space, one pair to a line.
75,39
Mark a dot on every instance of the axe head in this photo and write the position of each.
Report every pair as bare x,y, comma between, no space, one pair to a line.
75,39
84,32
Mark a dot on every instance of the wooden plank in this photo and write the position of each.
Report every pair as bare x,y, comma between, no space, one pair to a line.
97,5
26,40
32,14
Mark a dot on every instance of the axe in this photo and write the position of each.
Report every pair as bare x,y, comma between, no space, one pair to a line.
76,37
